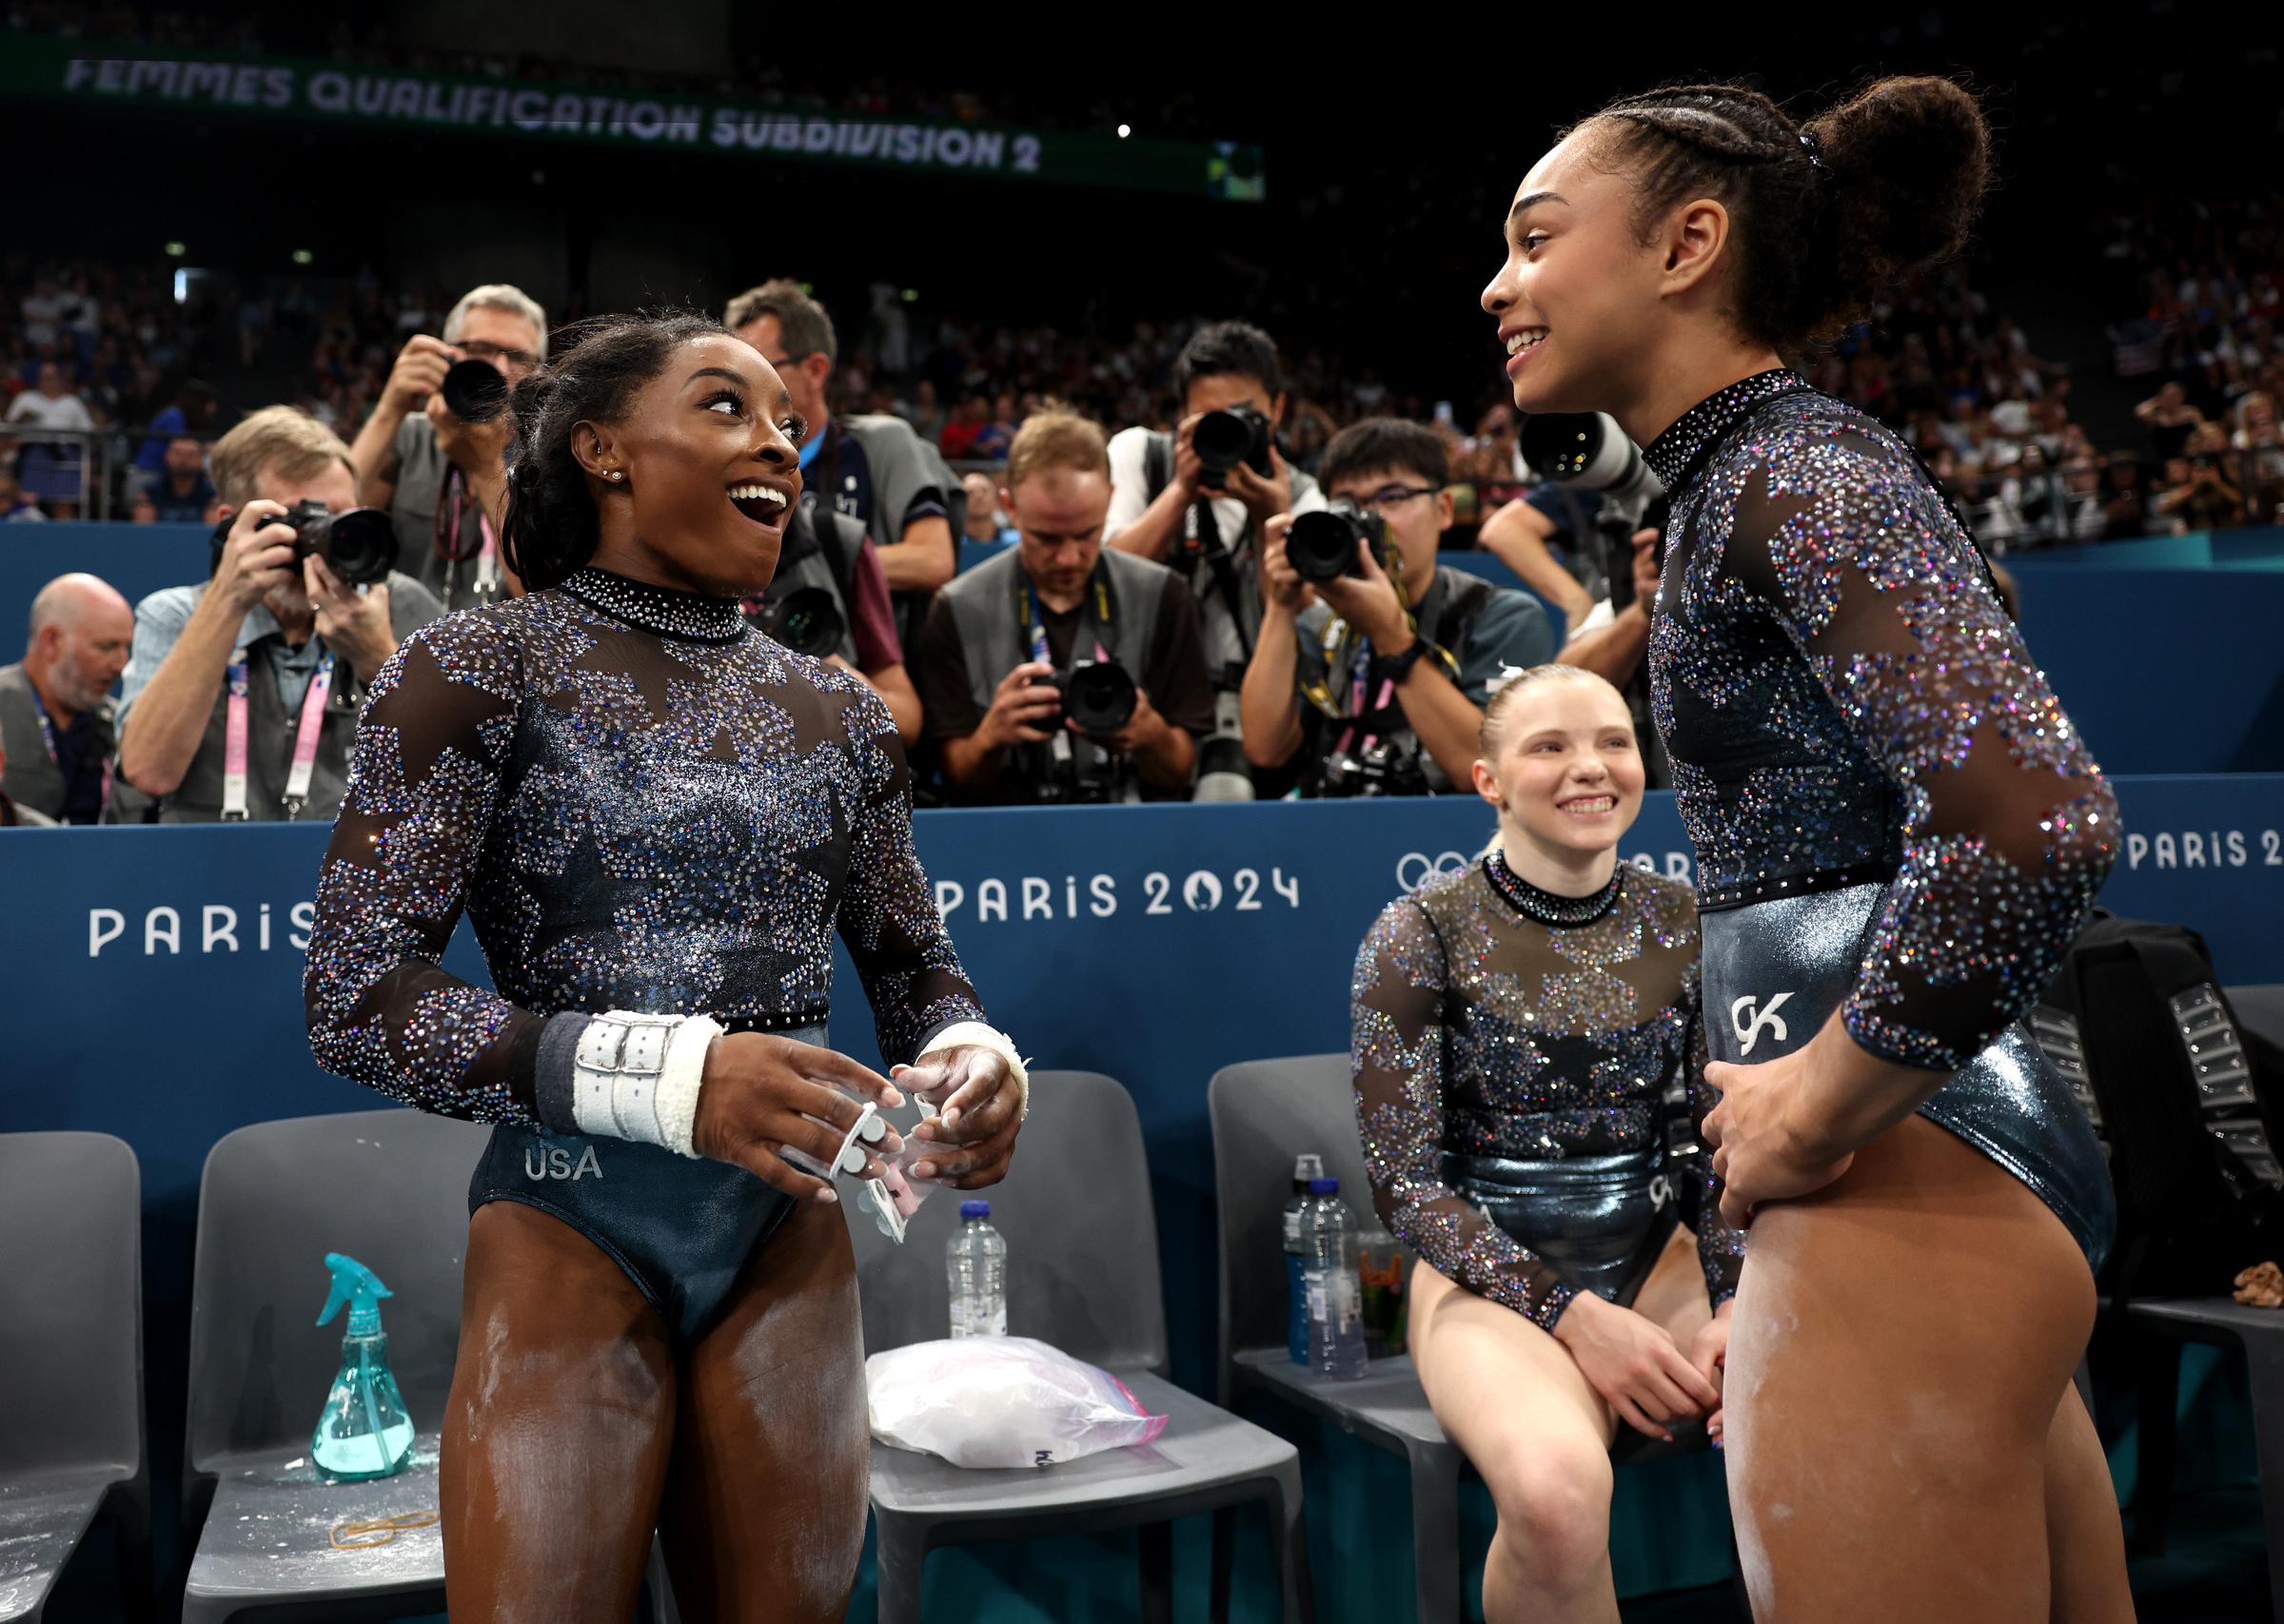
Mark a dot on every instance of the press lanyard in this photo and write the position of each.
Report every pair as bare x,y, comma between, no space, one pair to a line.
306,736
1359,660
1060,745
48,739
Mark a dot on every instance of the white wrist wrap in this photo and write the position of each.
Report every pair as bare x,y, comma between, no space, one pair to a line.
637,1077
975,1034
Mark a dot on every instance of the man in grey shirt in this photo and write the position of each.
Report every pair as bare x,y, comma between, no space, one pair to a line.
274,649
56,721
444,482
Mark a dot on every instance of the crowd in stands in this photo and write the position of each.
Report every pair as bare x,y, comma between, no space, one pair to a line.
2207,282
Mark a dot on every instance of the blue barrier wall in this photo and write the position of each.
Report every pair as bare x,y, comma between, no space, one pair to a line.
153,975
2165,651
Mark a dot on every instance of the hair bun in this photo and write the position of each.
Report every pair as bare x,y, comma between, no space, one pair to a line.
1909,162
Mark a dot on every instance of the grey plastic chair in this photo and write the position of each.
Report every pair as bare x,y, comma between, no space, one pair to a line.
72,1449
390,1189
1083,1275
1263,1114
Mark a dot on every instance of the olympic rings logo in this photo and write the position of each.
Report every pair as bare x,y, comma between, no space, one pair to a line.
1417,868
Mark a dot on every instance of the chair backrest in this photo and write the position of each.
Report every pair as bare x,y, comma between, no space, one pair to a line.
390,1188
70,1303
1264,1113
1082,1237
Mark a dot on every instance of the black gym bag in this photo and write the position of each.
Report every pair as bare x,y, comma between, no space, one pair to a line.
2189,1105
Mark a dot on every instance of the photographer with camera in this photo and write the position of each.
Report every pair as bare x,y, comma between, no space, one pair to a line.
1197,500
872,468
1062,670
1375,661
829,597
433,456
240,698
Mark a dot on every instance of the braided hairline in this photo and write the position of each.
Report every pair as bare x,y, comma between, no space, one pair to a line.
1680,114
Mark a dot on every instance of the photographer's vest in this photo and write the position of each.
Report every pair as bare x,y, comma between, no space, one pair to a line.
271,736
821,551
994,632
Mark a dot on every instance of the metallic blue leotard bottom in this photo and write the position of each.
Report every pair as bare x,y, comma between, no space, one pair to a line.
1601,1220
1774,971
681,1227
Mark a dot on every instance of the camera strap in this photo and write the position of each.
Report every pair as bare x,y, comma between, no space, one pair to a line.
1097,600
1343,648
451,519
306,734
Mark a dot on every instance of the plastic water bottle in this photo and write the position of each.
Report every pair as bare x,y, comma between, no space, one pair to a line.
975,1268
1296,1290
1335,1298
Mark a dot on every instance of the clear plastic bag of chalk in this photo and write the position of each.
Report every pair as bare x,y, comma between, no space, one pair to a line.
1001,1401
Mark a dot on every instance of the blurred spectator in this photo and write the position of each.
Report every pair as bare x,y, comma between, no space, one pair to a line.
1000,638
2170,419
15,507
997,434
2125,499
2259,448
236,666
443,479
56,721
1373,683
2199,493
987,520
969,420
182,494
53,472
873,469
192,412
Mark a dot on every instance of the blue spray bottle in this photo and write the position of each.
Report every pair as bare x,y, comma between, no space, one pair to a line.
365,1431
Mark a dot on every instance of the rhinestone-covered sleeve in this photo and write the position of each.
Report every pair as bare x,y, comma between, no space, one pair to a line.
2008,826
424,785
895,933
1720,1248
1397,1055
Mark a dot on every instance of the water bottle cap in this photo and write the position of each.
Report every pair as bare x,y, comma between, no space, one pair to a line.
1323,1186
975,1209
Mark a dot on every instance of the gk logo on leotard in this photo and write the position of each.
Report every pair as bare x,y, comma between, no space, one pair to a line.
1749,1024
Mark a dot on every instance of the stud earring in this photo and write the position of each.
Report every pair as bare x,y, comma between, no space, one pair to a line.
614,475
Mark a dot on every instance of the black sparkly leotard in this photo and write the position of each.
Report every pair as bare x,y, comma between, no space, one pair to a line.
1525,1071
641,804
1893,817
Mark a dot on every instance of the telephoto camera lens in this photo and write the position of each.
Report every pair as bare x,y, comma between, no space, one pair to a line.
360,546
808,622
1099,696
474,391
1223,440
1321,546
1588,451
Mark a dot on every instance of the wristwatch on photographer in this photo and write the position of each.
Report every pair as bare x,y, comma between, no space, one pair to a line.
1393,668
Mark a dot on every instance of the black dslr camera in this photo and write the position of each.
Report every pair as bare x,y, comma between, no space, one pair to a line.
1385,767
1321,546
807,622
1223,440
359,546
474,391
1097,695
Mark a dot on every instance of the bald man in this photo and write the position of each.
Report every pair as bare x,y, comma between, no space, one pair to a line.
58,732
